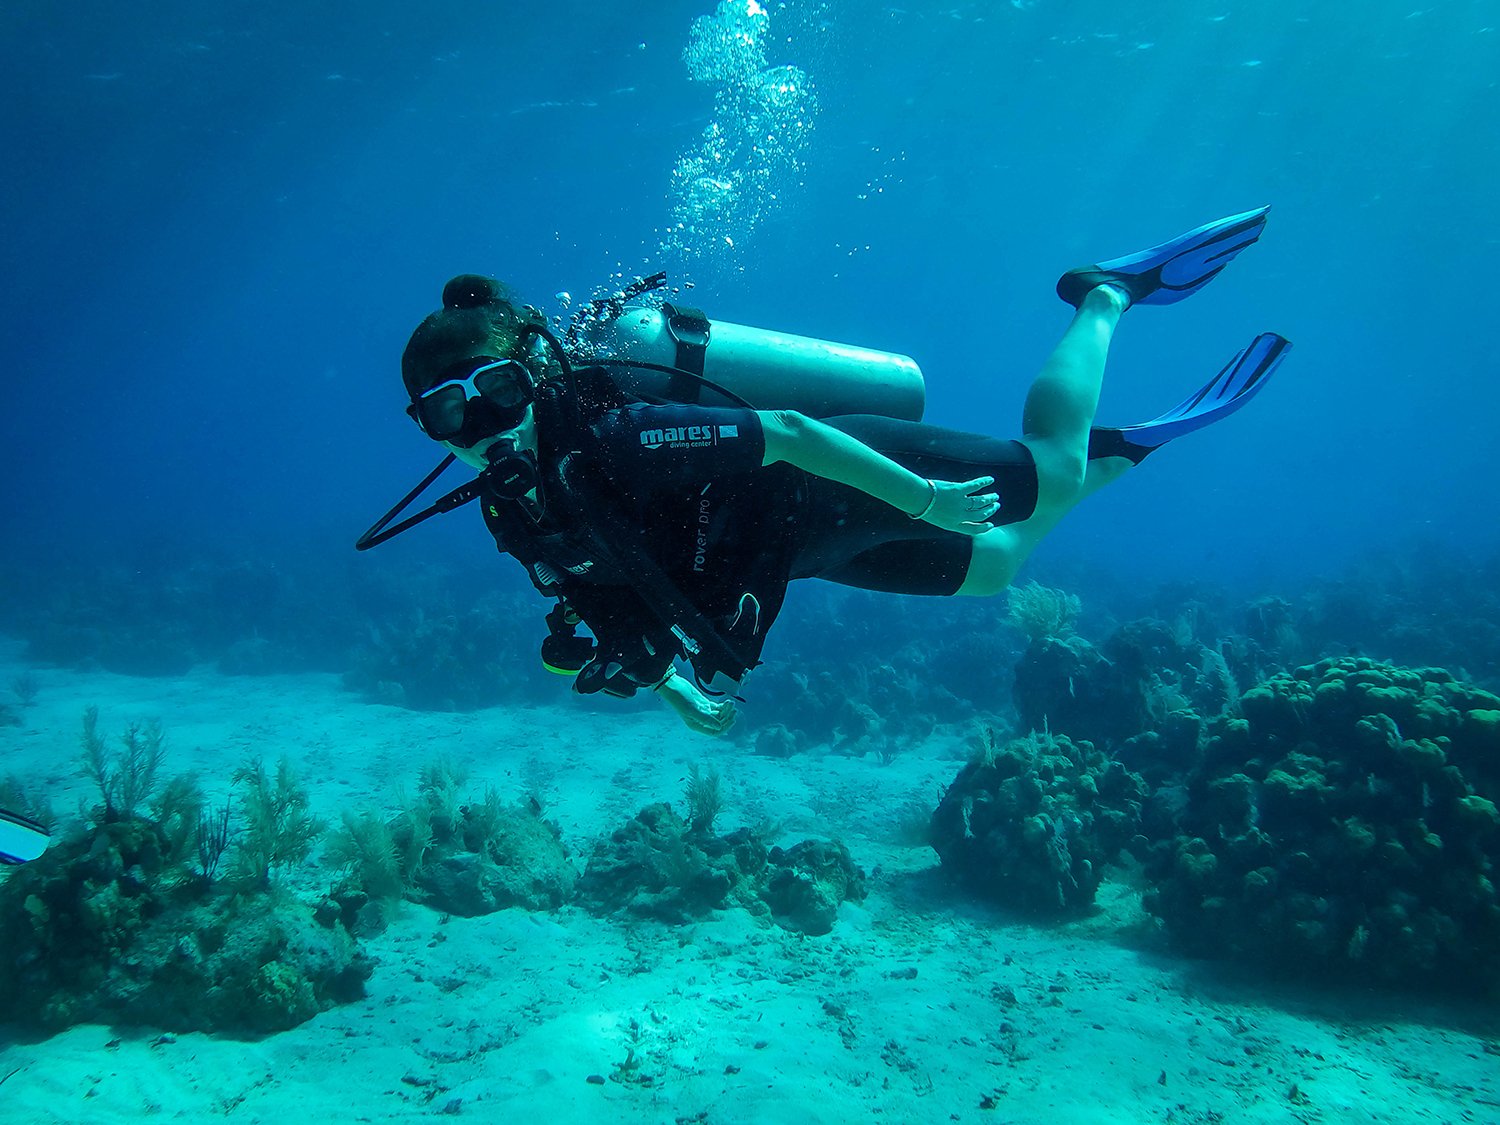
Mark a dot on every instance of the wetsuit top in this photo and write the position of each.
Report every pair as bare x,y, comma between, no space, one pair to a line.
688,485
689,482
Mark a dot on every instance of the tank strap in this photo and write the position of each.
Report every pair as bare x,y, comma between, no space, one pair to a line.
689,330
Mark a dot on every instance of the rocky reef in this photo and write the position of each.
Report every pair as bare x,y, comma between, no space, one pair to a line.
156,911
108,929
463,854
1345,824
659,865
1031,823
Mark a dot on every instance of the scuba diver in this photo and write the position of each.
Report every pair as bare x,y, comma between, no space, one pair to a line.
664,478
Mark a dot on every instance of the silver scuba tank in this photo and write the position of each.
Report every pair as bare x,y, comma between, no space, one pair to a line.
770,370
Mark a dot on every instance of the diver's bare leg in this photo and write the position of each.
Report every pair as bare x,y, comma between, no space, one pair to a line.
1061,403
1056,420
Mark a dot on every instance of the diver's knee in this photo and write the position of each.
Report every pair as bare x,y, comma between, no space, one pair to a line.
996,557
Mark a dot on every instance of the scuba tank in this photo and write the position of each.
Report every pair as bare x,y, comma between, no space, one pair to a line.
770,370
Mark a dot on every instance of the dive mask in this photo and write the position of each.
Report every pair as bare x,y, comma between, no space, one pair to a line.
464,410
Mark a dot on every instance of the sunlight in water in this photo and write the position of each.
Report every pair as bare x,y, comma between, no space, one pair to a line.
751,152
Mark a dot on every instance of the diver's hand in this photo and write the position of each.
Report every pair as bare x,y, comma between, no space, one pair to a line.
698,711
963,506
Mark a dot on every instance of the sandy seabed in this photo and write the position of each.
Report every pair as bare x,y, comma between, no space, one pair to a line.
920,1006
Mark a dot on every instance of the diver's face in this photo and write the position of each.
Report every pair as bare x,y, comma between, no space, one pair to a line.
477,399
523,434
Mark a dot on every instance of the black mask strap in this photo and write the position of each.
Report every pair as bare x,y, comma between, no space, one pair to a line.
379,533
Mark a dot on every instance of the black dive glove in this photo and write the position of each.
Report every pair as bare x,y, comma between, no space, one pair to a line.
563,651
617,675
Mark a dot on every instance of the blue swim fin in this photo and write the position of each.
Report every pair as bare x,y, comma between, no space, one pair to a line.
21,839
1234,386
1166,274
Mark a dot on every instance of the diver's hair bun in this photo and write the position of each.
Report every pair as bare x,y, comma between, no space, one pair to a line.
471,291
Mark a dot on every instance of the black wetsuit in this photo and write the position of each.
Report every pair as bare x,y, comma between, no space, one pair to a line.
721,525
850,537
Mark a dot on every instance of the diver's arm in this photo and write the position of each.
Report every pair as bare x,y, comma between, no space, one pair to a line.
820,449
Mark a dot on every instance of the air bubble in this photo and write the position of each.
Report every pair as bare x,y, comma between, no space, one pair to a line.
751,153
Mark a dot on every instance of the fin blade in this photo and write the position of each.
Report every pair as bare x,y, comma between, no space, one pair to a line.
1240,380
1173,270
21,839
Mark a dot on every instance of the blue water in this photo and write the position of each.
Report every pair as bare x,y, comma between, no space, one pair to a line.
224,219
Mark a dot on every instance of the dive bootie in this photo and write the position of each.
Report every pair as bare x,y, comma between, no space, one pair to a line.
1236,384
1173,271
